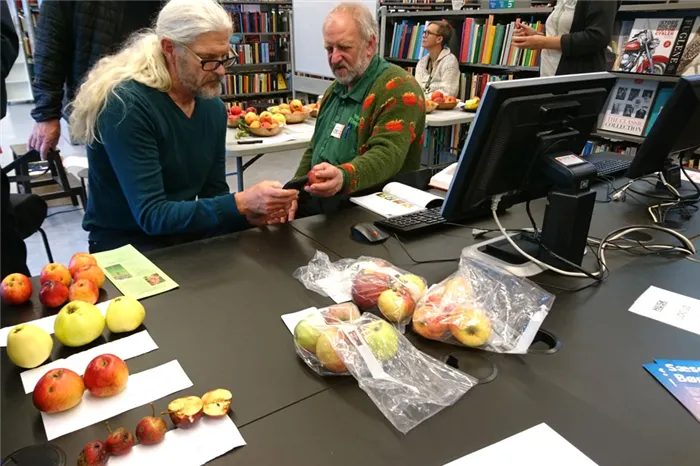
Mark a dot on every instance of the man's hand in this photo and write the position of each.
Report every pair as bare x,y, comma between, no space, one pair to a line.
266,199
330,180
44,137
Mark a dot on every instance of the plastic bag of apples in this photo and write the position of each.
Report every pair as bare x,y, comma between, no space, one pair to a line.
373,284
483,306
406,385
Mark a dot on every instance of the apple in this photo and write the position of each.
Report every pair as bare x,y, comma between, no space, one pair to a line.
436,95
255,124
366,288
435,296
325,351
306,335
217,402
78,323
106,375
236,110
266,116
124,314
382,339
296,105
84,290
266,125
439,100
80,259
313,178
429,322
58,390
250,117
458,289
94,454
415,285
251,110
28,346
285,111
91,272
53,294
396,305
151,429
279,118
346,312
57,273
470,327
120,442
185,412
16,289
450,100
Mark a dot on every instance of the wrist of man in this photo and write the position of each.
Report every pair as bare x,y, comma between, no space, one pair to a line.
242,203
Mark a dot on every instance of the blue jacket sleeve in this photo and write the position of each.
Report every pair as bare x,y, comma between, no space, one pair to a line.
130,140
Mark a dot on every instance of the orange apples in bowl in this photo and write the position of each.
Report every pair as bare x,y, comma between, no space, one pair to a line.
443,102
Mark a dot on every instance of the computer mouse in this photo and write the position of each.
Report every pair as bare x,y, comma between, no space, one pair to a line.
368,233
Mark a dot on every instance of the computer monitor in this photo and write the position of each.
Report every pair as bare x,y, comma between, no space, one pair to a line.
675,134
524,144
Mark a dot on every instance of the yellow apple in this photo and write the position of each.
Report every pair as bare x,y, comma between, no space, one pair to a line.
279,118
255,124
325,350
28,346
124,314
250,117
382,339
78,323
470,327
415,284
396,305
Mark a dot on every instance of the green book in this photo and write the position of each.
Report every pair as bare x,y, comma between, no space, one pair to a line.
477,48
497,45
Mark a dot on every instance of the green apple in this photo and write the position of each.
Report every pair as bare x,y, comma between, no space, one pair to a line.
124,314
306,335
78,323
28,345
382,339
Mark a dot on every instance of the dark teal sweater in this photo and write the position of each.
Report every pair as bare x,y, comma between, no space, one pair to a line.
156,172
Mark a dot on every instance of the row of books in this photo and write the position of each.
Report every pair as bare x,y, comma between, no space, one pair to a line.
669,46
488,43
257,21
474,84
594,147
253,83
634,105
407,40
262,52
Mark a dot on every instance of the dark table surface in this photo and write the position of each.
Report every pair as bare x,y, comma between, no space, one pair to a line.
223,325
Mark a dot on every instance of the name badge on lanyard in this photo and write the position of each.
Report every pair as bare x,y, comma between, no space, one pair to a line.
337,130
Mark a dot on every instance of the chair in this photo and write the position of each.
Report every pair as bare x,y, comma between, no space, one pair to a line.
30,212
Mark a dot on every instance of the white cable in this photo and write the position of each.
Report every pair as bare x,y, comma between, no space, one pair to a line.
689,247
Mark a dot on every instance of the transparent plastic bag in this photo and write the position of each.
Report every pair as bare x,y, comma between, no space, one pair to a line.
483,306
406,385
373,284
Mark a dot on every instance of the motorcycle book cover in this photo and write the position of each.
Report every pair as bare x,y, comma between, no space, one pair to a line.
649,45
629,106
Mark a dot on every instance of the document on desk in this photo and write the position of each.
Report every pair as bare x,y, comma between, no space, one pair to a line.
536,446
45,323
682,379
201,443
291,320
132,273
124,348
670,308
398,199
141,389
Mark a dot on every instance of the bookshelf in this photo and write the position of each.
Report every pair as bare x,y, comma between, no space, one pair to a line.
18,83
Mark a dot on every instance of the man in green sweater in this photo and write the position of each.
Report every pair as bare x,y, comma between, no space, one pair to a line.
371,120
156,135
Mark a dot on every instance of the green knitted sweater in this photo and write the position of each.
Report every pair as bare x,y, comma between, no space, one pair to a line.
389,132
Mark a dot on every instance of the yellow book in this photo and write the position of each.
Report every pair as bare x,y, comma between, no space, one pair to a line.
412,42
489,44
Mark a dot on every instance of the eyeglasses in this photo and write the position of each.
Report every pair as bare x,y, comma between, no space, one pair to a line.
428,33
213,65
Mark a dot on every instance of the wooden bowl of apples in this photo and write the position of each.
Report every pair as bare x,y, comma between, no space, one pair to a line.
430,106
443,102
264,125
236,114
265,132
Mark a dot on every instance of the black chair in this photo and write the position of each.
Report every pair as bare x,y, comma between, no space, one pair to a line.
30,212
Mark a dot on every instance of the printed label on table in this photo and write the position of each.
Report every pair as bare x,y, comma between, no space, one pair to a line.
569,160
670,308
373,364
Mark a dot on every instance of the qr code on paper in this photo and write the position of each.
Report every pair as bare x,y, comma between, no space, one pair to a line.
659,306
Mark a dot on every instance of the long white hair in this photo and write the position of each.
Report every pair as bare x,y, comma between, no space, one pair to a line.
142,60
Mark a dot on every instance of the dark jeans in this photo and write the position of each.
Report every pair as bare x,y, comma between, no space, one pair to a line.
14,252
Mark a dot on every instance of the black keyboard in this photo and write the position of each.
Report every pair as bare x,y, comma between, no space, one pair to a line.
608,167
416,221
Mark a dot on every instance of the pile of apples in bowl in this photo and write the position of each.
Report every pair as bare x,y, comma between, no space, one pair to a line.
440,101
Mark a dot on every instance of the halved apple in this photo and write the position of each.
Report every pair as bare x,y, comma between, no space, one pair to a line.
185,412
217,402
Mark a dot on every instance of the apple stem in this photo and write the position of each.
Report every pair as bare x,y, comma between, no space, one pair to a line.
108,428
153,409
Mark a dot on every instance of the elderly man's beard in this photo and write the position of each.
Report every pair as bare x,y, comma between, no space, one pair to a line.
352,74
207,89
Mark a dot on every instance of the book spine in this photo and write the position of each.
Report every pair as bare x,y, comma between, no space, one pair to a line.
678,48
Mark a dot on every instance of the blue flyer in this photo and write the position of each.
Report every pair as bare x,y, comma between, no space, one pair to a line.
682,379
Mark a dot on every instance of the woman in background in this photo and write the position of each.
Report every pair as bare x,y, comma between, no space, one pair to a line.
439,69
577,34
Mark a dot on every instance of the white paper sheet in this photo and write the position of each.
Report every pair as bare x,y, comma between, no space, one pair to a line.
291,320
670,308
45,323
533,447
338,287
205,441
125,348
141,389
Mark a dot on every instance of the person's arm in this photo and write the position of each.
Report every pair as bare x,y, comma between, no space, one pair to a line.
306,159
395,129
129,138
600,20
422,74
52,50
450,75
10,42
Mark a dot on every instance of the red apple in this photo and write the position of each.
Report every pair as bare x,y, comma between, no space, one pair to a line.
57,273
217,402
429,322
80,259
313,179
53,294
251,109
120,442
94,454
366,288
396,305
106,375
236,110
83,290
151,429
58,390
436,95
16,288
185,412
91,272
347,312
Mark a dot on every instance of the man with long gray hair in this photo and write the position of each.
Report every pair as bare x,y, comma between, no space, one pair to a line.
156,135
371,120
